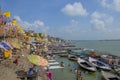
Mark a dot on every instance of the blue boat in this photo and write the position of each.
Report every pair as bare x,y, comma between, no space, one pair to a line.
99,64
74,54
86,65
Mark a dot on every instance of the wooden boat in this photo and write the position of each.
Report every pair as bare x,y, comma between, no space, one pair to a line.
53,67
75,52
51,60
86,65
99,64
59,52
117,69
109,76
53,63
63,55
72,57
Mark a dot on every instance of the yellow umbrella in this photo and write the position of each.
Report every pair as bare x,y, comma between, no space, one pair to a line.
37,60
7,53
16,45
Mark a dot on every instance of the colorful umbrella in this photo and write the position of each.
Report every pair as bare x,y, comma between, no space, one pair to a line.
15,44
7,53
37,60
1,46
8,44
4,45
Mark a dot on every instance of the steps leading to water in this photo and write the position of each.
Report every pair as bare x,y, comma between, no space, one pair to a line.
53,64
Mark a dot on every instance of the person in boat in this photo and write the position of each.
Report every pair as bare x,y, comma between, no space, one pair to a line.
62,64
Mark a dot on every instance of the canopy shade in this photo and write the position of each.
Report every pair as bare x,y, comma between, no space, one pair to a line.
5,46
37,60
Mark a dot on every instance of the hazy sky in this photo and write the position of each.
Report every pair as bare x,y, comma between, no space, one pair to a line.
68,19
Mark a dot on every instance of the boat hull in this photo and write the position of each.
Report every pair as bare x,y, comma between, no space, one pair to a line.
99,65
72,57
85,65
109,76
63,55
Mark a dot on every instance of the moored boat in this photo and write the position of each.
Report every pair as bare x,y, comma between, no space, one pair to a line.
117,69
59,51
75,52
72,57
53,63
109,76
86,65
99,64
63,55
51,60
53,67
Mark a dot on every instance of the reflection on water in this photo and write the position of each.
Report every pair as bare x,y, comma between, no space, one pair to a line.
68,73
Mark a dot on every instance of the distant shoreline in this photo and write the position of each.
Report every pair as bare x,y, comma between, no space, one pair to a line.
99,40
110,40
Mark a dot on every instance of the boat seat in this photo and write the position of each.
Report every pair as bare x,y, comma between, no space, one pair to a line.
114,78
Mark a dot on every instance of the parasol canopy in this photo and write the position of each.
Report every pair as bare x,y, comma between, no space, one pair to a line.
5,46
16,45
7,53
37,60
8,44
1,46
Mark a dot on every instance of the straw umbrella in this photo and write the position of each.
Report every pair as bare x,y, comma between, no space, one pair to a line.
37,60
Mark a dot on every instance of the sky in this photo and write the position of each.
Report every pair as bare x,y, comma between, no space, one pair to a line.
68,19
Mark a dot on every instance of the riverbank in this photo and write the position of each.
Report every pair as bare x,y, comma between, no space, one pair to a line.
8,70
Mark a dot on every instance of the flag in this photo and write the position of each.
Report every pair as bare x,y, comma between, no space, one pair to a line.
7,14
21,31
14,21
18,27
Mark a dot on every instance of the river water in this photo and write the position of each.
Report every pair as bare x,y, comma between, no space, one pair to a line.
68,73
112,47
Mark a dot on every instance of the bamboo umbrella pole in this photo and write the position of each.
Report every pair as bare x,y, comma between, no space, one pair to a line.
17,37
4,32
10,34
